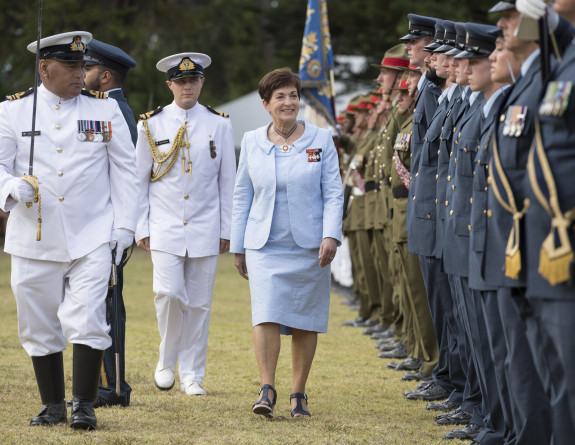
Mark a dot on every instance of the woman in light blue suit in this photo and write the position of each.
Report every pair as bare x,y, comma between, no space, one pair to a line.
286,226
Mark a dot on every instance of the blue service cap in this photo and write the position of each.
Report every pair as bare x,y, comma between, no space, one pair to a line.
437,38
460,37
448,38
480,41
503,6
100,53
419,26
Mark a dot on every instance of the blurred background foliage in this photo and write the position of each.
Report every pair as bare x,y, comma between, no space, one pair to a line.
245,38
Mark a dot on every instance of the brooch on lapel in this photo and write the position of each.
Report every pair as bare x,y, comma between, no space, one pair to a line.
313,154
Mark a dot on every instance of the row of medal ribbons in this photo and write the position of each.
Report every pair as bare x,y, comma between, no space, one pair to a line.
94,131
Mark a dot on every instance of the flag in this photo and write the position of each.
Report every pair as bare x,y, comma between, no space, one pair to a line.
316,61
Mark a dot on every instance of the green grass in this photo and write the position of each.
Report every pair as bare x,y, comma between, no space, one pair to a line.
354,399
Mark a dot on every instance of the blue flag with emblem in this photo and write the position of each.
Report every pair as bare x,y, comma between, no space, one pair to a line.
316,61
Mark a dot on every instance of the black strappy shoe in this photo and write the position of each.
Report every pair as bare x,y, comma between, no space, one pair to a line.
265,409
299,408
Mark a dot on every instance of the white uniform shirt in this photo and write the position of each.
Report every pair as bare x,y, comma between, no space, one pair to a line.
87,188
184,215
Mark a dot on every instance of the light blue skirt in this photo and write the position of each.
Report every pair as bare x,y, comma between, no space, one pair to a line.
289,288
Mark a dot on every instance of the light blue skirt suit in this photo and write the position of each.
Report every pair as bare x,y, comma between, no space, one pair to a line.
284,204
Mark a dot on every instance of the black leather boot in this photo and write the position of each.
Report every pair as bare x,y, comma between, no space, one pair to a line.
87,363
49,372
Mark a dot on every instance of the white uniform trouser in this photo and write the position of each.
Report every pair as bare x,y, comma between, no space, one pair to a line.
184,288
62,301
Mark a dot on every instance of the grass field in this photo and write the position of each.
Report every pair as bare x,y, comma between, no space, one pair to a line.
354,399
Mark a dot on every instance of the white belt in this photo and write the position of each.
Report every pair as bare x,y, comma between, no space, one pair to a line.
356,191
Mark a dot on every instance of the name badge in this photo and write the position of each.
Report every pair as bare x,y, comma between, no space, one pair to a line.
313,154
165,141
29,133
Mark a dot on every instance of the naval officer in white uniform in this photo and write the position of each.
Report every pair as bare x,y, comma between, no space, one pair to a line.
186,160
85,163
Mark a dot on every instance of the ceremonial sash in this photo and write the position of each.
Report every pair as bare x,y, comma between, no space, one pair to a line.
504,195
556,254
401,170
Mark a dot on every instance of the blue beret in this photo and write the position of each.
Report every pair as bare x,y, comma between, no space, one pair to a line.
100,53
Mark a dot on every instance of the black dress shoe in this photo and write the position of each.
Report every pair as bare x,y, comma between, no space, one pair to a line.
431,392
469,432
442,406
409,364
51,414
373,329
354,322
83,416
458,417
399,352
417,376
390,346
386,333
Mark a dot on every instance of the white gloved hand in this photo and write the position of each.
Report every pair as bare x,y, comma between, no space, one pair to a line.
21,190
121,240
531,8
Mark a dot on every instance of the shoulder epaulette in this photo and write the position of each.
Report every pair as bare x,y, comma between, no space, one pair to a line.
149,114
20,95
95,94
219,113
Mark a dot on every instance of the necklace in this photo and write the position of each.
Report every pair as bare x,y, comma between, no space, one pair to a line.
285,147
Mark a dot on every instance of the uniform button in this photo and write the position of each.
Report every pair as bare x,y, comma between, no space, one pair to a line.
413,199
448,178
456,142
426,140
185,223
417,174
479,161
60,173
486,166
465,149
489,213
456,160
56,107
442,128
485,188
186,197
485,212
470,200
410,155
451,213
59,149
446,203
61,198
58,126
489,180
469,227
453,187
436,177
438,151
435,200
451,154
459,134
428,216
502,118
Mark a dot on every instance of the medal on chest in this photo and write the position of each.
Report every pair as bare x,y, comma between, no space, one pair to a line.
556,98
313,154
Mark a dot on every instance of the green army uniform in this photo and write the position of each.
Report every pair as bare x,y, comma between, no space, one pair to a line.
354,226
381,245
418,326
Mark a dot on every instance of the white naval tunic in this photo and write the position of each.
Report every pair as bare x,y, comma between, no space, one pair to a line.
185,219
184,215
87,189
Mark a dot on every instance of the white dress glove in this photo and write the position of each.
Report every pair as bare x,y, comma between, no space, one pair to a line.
20,190
531,8
121,240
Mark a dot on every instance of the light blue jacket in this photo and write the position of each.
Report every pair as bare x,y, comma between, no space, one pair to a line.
314,190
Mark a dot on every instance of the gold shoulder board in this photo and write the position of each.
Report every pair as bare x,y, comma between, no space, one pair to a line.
219,113
95,94
149,114
20,95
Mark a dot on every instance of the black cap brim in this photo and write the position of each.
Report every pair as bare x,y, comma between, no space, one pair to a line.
470,55
443,49
453,52
502,6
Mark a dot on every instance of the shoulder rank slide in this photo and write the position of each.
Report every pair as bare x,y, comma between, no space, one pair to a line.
95,94
219,113
149,114
20,95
